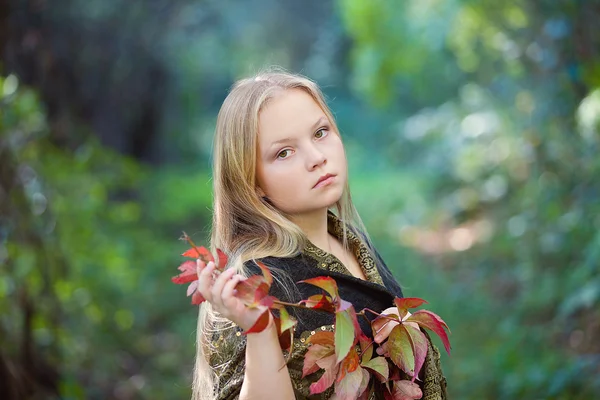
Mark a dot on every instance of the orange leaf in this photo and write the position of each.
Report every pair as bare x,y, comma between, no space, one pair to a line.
201,253
349,364
325,338
404,304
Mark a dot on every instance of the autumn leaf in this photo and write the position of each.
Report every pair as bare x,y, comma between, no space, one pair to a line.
266,273
406,303
379,366
330,365
419,345
324,338
400,349
431,321
188,273
344,333
315,353
326,283
319,302
347,388
222,257
197,298
199,252
406,390
286,327
349,364
261,323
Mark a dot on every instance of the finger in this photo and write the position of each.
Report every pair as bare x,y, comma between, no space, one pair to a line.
205,281
229,288
199,266
385,331
218,286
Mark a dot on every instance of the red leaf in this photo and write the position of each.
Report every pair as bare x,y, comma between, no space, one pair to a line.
400,349
197,298
326,283
188,273
330,366
403,304
285,337
246,289
201,253
429,320
319,302
406,390
261,323
314,354
266,273
419,345
222,259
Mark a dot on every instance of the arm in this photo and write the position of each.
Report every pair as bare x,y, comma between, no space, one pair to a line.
264,376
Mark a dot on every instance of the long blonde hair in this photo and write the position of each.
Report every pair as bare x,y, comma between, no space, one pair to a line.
246,226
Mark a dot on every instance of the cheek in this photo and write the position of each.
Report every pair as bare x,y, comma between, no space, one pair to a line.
278,181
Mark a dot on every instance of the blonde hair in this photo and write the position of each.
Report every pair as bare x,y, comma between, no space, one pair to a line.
246,226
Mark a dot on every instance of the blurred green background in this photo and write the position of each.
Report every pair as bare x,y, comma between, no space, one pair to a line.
472,128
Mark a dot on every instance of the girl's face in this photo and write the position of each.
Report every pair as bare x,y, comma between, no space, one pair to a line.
301,164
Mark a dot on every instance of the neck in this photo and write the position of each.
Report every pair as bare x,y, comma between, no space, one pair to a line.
314,226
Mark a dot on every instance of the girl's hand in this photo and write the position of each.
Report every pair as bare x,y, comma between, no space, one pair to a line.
219,290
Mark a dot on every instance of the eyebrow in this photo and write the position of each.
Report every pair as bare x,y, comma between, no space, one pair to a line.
320,121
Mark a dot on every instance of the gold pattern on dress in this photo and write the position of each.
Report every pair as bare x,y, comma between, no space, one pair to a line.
329,262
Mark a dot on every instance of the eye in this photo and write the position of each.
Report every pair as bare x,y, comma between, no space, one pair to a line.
284,154
321,133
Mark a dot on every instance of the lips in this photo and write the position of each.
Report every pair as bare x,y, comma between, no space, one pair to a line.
323,179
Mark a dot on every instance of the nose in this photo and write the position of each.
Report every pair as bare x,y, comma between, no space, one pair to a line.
316,158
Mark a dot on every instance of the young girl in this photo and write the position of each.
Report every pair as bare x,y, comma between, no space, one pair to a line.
279,172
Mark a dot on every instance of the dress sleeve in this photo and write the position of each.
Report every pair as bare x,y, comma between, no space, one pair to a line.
434,382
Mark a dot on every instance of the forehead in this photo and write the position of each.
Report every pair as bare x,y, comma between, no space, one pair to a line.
290,113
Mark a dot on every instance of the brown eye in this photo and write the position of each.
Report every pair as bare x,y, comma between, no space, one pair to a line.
320,133
283,154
